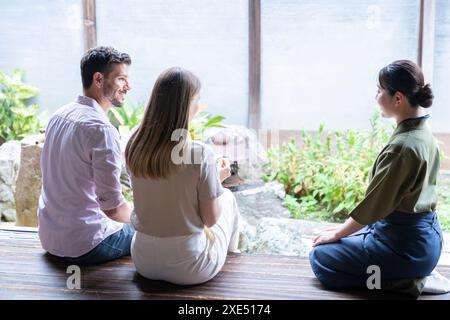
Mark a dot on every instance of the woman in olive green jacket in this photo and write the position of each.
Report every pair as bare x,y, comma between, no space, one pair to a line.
395,229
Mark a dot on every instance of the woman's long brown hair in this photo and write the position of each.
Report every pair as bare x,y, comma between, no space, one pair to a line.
148,152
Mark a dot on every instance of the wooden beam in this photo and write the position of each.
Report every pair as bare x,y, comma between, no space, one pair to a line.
420,43
254,102
425,55
90,27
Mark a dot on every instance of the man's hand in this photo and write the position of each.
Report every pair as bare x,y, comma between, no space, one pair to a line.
120,214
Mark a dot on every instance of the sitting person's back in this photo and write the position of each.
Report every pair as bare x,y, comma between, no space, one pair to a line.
185,221
169,207
71,221
81,207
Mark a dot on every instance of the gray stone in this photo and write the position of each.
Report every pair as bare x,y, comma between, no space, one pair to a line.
266,226
445,254
28,185
285,236
8,215
261,200
7,193
9,166
242,145
9,161
247,236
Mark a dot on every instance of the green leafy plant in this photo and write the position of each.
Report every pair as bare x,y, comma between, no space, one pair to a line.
327,176
17,118
443,204
201,122
129,116
126,117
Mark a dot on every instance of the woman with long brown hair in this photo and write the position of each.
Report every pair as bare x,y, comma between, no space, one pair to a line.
185,221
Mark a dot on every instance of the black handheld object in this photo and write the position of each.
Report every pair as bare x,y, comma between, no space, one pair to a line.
234,168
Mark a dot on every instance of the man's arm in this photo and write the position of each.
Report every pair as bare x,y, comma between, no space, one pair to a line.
120,214
107,165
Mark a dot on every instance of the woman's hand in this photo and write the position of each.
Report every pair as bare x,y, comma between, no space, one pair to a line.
224,168
334,234
326,236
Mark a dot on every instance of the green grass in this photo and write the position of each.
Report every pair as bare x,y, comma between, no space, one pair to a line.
299,211
443,207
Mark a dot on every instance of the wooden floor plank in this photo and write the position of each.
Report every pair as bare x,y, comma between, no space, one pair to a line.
27,272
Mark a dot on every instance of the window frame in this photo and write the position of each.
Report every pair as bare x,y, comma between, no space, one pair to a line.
425,47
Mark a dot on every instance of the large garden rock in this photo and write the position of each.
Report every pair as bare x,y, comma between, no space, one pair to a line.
445,254
285,236
247,235
265,224
28,185
240,144
261,200
9,166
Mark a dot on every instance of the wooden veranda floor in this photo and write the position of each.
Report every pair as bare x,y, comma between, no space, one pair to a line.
27,272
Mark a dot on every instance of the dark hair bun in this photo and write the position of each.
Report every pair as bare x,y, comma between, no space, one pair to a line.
424,97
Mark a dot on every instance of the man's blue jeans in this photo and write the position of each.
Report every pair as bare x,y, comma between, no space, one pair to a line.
113,247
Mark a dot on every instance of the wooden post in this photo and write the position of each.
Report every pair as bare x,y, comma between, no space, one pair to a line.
89,21
254,102
425,55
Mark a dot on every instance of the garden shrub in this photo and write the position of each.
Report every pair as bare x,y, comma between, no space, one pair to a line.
17,118
129,116
327,176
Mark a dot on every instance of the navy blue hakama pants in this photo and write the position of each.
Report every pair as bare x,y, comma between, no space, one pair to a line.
402,245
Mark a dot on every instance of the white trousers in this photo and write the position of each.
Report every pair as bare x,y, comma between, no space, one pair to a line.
191,259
